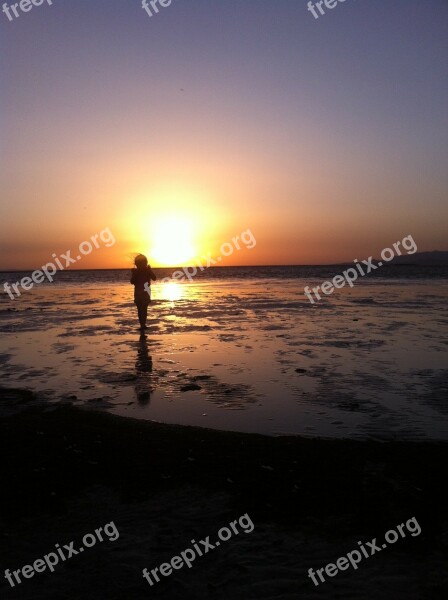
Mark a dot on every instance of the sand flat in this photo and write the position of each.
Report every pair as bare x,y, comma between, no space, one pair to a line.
247,355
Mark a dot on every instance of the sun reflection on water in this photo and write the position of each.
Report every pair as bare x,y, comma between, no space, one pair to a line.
171,291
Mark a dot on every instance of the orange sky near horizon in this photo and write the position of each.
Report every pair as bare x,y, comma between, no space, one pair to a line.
297,216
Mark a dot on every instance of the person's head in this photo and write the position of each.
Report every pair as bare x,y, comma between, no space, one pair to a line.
140,261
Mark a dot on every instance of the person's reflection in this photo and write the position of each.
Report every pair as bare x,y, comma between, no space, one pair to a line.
143,368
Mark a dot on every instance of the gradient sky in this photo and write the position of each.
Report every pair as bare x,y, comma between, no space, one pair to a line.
327,138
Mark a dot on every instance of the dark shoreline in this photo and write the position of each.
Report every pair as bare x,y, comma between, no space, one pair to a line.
337,490
65,438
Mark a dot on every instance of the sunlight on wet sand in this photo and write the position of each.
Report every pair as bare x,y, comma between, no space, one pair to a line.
250,356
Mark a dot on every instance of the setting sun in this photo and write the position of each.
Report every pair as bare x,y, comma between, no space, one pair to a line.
172,240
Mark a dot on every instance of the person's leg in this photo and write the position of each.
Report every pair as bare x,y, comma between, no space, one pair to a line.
141,315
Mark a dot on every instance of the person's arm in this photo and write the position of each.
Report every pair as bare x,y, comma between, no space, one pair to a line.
152,274
133,276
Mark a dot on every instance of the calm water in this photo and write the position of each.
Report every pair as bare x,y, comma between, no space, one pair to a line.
313,273
241,349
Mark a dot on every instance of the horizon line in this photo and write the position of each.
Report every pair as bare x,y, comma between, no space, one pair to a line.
391,263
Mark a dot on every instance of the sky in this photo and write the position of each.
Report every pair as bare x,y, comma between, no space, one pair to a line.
327,137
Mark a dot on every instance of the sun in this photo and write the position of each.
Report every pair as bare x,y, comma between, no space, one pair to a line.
172,240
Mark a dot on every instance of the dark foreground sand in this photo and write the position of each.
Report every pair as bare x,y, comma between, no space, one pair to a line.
66,472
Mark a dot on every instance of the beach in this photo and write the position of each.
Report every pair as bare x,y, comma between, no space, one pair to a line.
243,351
325,424
223,300
310,501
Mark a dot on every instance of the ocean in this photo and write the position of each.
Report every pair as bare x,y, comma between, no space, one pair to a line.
317,272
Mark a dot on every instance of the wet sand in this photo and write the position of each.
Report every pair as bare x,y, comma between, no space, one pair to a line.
350,395
70,471
247,355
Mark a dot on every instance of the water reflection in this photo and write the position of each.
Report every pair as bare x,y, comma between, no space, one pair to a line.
143,369
171,291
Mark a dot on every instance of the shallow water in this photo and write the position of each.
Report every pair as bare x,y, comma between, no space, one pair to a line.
224,353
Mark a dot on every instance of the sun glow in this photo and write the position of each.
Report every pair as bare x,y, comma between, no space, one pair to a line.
172,241
173,223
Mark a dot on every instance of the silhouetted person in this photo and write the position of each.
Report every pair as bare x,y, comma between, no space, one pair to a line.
141,278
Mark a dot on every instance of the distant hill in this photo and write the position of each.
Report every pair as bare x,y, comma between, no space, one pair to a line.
424,259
